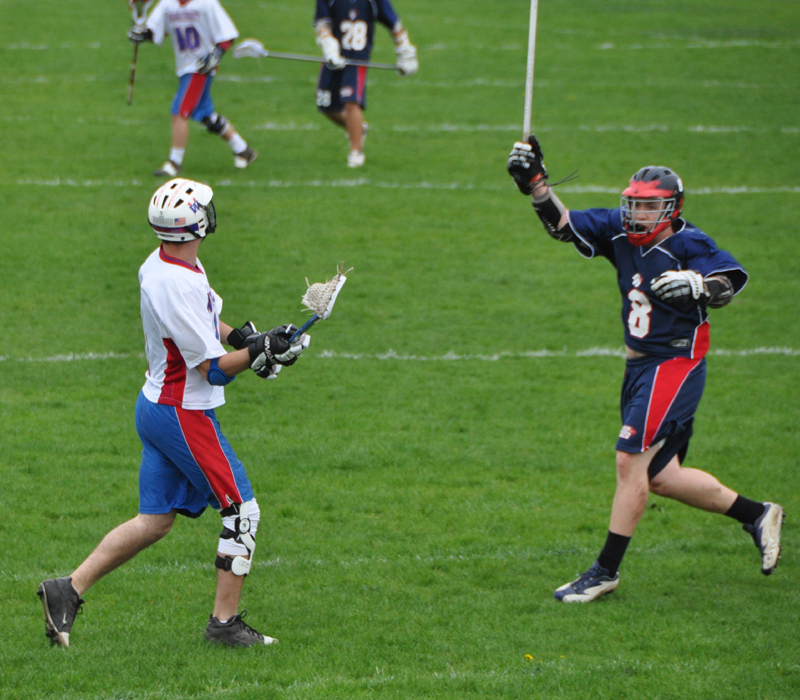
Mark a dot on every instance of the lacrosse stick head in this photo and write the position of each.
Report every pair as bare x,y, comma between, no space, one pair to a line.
321,296
250,48
139,10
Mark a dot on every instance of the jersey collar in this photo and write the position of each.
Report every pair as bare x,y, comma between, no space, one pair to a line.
175,261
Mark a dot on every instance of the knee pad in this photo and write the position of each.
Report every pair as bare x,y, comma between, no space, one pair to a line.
215,123
237,539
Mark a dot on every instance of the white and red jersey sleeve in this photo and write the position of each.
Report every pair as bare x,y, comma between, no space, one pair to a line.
194,27
180,319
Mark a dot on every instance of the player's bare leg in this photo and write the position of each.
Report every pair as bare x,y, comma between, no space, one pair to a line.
630,497
351,119
121,544
61,597
630,502
180,137
229,592
693,487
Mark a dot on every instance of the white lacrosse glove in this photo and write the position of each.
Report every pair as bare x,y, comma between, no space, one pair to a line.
407,63
678,287
139,33
331,52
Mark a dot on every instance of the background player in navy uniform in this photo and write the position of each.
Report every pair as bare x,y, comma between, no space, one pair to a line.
669,272
345,29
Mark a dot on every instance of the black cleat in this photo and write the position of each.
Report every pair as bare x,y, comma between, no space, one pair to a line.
235,632
61,603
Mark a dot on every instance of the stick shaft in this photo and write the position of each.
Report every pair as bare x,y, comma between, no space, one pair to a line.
319,59
303,328
133,73
526,122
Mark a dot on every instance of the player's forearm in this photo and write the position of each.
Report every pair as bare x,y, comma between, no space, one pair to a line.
552,212
224,332
231,363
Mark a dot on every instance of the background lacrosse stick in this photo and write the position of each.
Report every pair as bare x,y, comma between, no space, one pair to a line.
526,121
139,11
320,298
253,48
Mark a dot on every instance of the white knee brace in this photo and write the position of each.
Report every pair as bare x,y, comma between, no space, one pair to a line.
237,540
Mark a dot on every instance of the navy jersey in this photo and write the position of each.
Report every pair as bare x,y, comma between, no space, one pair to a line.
651,326
353,23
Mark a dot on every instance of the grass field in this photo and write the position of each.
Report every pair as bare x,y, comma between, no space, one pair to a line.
442,457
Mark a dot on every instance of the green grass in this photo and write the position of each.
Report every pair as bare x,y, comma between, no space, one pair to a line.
418,512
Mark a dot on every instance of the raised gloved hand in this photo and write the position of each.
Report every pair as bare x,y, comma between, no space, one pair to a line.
677,287
331,52
407,62
210,61
526,165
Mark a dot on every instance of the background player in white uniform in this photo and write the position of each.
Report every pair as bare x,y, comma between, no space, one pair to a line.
201,31
187,463
669,272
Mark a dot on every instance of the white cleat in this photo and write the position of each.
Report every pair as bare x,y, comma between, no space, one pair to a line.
588,586
169,169
766,533
243,159
355,159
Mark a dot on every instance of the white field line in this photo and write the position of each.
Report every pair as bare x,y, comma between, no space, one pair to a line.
599,128
405,357
700,43
366,182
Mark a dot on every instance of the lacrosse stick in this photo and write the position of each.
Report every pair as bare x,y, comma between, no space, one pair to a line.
253,48
526,121
139,11
320,298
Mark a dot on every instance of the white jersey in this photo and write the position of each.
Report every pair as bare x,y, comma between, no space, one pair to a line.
195,27
180,318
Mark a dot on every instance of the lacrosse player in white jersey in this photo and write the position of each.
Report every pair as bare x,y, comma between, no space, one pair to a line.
187,464
201,31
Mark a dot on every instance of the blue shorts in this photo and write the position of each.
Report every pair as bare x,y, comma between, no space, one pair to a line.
187,463
193,99
658,402
335,87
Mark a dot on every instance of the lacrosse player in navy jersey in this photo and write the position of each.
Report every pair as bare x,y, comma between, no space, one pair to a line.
201,31
345,29
669,274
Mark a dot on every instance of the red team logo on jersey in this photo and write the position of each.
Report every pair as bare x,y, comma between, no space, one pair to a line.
627,432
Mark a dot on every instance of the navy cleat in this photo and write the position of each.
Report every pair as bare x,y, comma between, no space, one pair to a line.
61,603
588,587
766,533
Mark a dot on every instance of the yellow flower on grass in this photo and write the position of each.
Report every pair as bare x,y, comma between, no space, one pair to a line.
529,657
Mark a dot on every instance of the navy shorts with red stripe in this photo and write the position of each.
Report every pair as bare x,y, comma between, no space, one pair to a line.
658,402
335,87
187,463
193,99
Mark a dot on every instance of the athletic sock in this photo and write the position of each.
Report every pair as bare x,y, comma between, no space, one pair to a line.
176,155
237,143
613,551
745,511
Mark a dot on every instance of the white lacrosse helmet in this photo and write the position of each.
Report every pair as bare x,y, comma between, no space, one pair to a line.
182,210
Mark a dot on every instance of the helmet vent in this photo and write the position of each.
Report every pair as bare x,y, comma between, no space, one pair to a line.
189,190
179,202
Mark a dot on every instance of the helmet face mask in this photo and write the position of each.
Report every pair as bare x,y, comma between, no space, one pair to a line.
181,210
650,203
